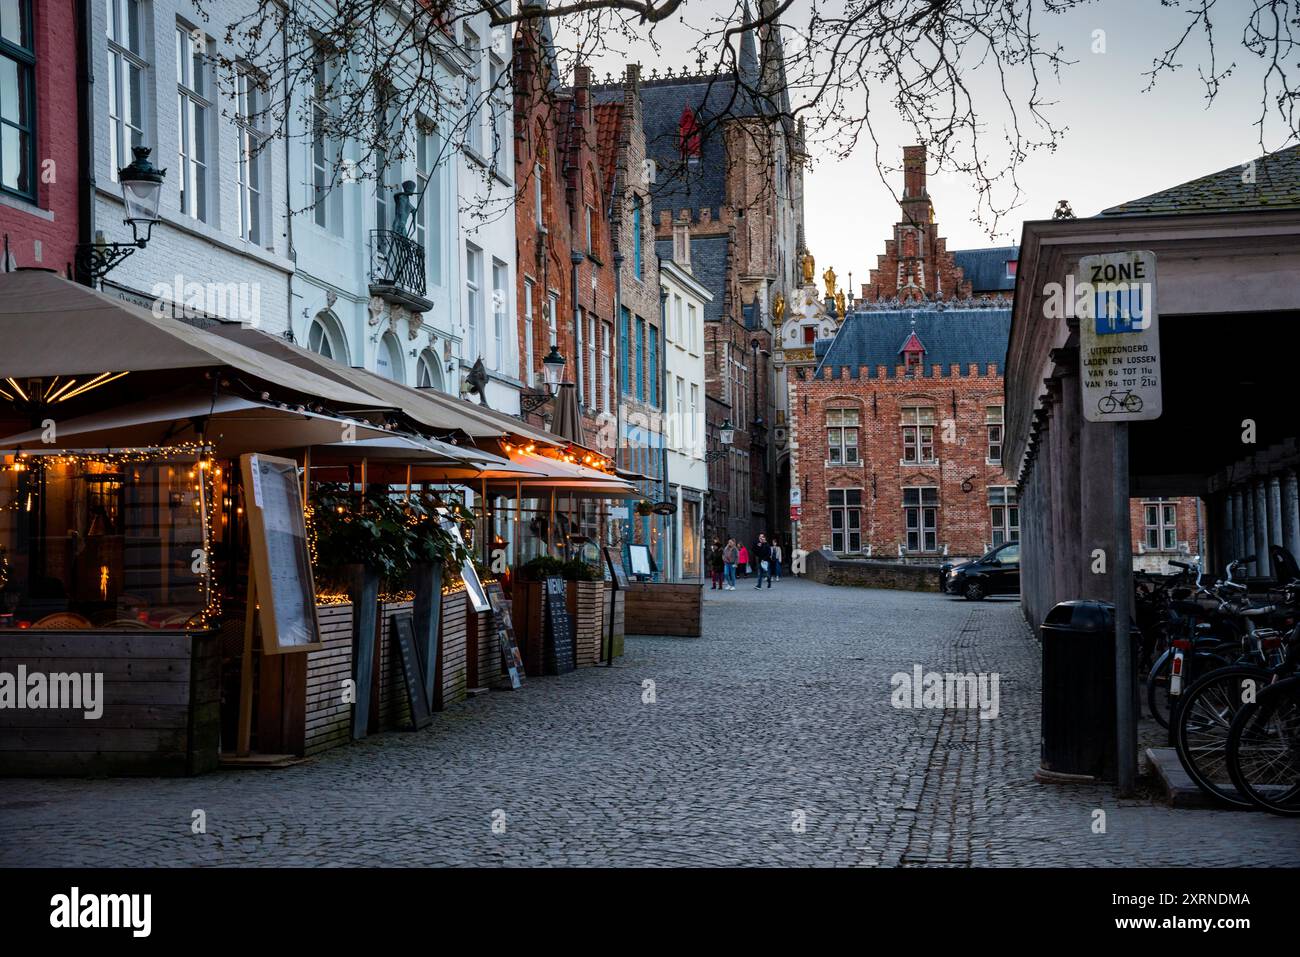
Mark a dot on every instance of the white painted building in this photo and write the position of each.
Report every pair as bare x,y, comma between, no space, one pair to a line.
222,249
485,249
684,399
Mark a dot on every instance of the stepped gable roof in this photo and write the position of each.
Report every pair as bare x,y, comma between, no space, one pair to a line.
708,267
1276,186
987,268
953,336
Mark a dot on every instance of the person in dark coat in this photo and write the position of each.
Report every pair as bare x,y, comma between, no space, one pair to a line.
763,556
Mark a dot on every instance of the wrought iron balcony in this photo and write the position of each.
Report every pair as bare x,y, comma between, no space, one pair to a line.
397,270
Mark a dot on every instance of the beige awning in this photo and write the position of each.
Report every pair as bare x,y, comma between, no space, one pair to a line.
231,425
51,326
567,478
399,450
429,407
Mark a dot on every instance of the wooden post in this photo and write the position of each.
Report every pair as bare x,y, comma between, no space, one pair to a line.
244,745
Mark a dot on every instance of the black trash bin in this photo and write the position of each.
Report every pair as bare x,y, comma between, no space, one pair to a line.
1078,731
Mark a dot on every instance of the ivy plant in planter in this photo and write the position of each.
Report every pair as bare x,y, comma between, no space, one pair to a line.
369,530
432,540
544,566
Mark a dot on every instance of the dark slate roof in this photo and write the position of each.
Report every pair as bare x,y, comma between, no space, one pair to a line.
987,268
708,266
951,337
693,185
1276,186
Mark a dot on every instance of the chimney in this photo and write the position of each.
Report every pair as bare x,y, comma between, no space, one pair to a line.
914,172
682,242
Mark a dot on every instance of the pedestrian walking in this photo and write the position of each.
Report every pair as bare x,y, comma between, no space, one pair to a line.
777,557
743,560
730,555
715,565
763,556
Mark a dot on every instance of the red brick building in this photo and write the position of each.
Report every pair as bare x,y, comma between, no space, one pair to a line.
41,186
566,281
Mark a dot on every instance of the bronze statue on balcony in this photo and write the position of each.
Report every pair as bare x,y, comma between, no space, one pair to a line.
404,208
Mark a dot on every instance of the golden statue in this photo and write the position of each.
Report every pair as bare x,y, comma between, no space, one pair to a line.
808,268
778,308
839,303
829,278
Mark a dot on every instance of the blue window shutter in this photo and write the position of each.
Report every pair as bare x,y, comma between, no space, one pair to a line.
640,359
654,367
625,367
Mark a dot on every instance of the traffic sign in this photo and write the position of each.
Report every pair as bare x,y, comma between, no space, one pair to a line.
1119,352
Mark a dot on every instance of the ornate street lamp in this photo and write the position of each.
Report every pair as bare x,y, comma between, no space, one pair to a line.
141,193
726,436
553,369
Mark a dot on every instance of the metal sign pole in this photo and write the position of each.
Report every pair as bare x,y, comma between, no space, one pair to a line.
1125,718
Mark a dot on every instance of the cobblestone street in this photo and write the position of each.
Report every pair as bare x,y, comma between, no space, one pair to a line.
781,712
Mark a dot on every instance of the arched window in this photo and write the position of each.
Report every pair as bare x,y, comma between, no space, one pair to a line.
325,336
428,371
388,362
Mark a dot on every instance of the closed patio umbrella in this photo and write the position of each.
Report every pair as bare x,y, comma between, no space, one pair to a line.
567,420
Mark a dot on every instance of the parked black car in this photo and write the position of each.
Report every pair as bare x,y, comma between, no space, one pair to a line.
997,573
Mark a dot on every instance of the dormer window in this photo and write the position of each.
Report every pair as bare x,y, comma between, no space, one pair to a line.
913,352
688,135
912,362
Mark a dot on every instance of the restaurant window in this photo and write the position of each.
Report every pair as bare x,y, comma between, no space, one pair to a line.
692,556
1161,525
528,333
1004,514
107,541
17,99
842,436
250,115
921,518
918,435
194,111
127,66
845,506
993,423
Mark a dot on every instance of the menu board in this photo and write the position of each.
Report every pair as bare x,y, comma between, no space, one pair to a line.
614,567
640,556
281,565
510,657
468,573
557,656
403,632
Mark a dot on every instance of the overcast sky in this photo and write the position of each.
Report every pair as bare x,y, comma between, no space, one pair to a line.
1121,143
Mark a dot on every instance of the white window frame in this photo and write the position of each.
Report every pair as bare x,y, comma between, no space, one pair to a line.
194,113
921,519
500,307
529,376
128,67
1164,527
840,422
592,325
473,300
473,47
606,347
552,315
250,110
1004,515
918,422
995,431
844,510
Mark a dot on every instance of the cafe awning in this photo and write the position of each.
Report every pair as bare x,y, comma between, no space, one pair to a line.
565,477
231,425
429,407
51,326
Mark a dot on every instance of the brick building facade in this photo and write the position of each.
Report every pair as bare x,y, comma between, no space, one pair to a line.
42,187
728,163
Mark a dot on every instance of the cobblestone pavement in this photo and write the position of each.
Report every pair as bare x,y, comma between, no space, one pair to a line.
780,714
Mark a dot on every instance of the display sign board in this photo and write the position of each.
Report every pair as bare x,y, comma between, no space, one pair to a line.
510,656
796,496
468,573
614,566
558,656
402,630
1119,337
281,564
796,513
640,556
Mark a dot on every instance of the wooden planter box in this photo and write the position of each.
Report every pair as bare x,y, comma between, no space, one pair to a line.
586,601
530,630
451,675
329,718
663,608
484,652
161,704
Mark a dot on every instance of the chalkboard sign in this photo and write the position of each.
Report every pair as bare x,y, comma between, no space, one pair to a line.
403,632
614,566
281,566
557,655
510,657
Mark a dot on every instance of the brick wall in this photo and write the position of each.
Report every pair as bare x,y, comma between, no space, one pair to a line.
962,473
45,233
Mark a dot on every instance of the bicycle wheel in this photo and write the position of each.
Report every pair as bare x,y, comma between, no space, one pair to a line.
1107,404
1264,749
1202,721
1194,664
1132,403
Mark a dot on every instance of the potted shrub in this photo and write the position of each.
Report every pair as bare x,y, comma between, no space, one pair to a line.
360,540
